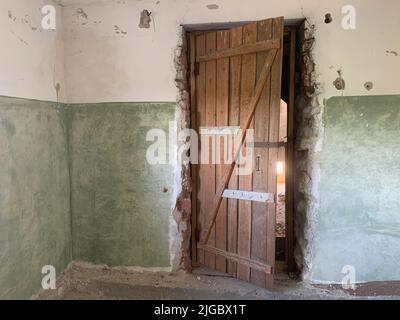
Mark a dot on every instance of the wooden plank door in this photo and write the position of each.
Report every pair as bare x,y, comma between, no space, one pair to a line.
236,82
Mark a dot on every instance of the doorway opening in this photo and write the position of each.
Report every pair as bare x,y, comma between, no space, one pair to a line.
285,174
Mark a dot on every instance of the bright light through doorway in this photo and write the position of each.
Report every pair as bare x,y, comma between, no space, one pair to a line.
279,168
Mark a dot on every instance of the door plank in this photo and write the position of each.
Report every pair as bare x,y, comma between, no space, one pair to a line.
245,181
234,105
210,120
223,42
201,111
261,119
193,125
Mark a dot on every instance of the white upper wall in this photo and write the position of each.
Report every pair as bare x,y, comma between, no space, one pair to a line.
102,65
31,59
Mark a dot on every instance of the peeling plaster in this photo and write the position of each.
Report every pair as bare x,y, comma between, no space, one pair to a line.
339,83
25,20
57,86
328,18
308,144
145,19
10,15
392,52
118,30
81,13
180,226
212,6
368,85
20,39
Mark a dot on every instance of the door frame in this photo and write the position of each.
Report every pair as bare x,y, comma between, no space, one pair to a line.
189,35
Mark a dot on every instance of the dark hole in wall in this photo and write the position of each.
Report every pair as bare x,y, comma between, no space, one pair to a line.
305,89
281,230
328,18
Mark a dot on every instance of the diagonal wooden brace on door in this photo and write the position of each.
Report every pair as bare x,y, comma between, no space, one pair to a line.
244,49
217,200
251,263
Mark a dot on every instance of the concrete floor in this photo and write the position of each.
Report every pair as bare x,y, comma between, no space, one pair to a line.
83,281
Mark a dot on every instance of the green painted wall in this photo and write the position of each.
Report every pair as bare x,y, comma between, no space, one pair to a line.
120,210
34,194
115,205
359,220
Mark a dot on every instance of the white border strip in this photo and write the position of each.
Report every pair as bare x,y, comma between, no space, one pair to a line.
220,130
250,196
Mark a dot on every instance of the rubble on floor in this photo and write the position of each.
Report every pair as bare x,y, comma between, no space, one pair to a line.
83,281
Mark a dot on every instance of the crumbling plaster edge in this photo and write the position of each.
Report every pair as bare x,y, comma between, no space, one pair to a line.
308,147
180,222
